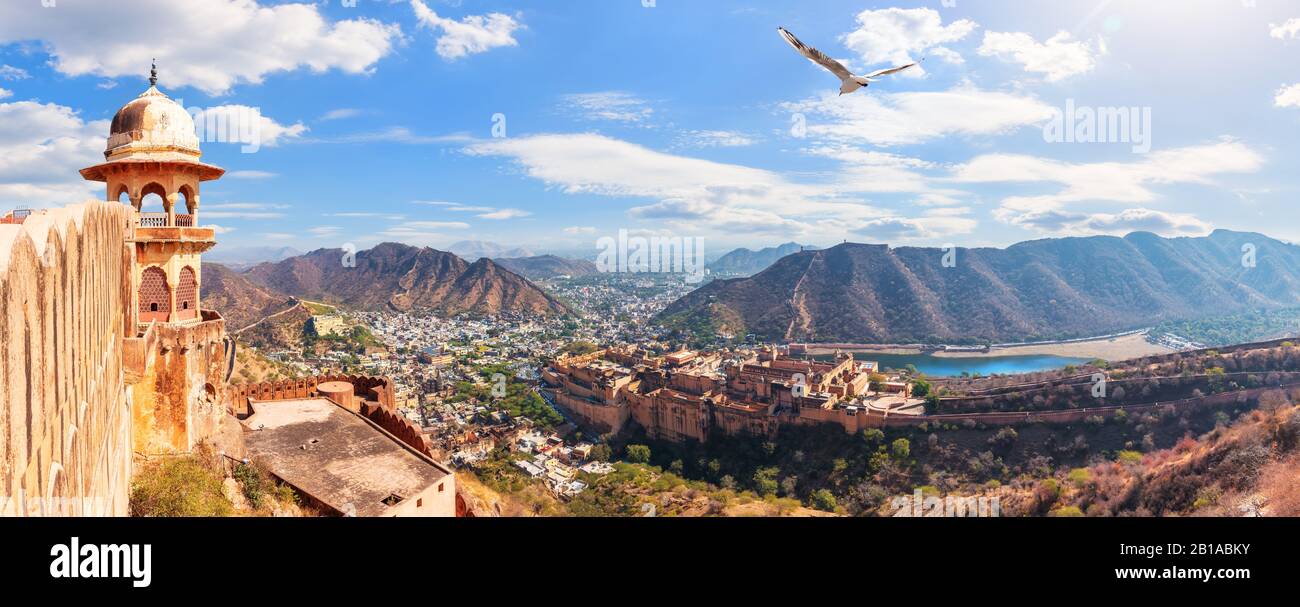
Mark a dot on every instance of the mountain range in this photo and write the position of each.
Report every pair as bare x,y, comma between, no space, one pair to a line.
547,266
473,250
1043,289
239,300
390,275
240,258
745,262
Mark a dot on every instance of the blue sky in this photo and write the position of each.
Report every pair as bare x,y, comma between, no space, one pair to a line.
687,118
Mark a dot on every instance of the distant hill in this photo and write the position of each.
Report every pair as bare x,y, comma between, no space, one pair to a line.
240,258
406,278
744,262
548,266
1043,289
473,250
239,300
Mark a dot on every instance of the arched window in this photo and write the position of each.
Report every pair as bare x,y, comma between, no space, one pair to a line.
123,194
153,199
155,296
187,294
185,200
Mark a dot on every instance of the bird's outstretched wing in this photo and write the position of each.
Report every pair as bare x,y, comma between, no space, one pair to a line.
888,71
817,56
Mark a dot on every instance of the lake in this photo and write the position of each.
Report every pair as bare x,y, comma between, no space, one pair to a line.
946,367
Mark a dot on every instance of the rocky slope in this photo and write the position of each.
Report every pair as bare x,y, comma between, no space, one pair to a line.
406,278
1042,289
745,262
241,301
547,266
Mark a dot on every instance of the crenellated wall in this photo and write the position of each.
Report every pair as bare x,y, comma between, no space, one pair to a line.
65,411
377,389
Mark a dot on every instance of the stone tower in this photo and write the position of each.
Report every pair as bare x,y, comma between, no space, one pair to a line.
180,350
153,149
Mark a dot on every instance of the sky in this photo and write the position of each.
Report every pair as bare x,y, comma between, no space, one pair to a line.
549,125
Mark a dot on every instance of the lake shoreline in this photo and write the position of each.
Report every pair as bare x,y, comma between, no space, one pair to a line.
1109,348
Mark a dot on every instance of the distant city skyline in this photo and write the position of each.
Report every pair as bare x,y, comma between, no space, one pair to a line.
549,127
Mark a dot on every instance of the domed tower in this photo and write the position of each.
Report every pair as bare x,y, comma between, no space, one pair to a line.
153,149
176,354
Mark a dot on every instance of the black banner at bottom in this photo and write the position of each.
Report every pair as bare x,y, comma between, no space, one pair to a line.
508,558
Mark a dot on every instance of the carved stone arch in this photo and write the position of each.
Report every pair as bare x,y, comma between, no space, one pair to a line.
120,190
189,196
154,188
187,294
155,295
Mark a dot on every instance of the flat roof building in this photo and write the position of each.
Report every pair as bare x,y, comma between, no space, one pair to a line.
346,462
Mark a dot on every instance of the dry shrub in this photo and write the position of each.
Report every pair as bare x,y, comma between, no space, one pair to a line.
1280,484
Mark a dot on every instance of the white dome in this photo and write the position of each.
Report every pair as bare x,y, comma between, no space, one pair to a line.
154,127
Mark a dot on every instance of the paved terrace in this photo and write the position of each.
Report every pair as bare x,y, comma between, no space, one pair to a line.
338,457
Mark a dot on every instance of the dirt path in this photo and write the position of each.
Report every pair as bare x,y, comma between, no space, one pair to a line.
800,311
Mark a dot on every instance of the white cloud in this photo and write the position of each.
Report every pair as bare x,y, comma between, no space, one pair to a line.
471,35
419,233
481,212
9,72
42,146
241,210
1114,182
613,106
4,94
1289,29
873,171
505,214
220,229
693,195
435,225
340,114
1116,224
1060,57
716,139
917,117
897,36
893,229
580,230
242,120
325,231
355,214
212,45
455,207
395,134
1288,96
251,175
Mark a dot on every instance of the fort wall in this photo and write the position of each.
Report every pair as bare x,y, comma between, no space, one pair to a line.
65,410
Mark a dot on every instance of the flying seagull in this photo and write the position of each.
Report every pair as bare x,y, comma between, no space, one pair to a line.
849,82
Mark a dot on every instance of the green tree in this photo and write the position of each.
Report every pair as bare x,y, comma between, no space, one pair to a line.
638,454
823,499
601,453
765,480
920,388
901,448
